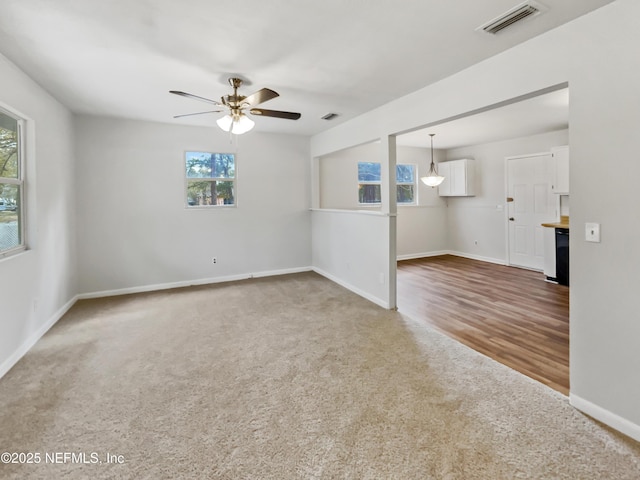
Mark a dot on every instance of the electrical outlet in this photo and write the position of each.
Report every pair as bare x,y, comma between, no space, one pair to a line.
214,260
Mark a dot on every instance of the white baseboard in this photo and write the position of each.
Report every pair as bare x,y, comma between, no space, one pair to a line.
478,257
286,271
356,290
605,416
411,256
34,337
188,283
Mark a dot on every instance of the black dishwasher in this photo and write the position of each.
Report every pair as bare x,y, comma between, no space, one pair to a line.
562,256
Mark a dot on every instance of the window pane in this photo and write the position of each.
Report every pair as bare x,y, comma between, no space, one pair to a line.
368,172
224,165
9,218
206,192
224,193
210,165
8,146
405,193
198,165
404,173
369,193
199,193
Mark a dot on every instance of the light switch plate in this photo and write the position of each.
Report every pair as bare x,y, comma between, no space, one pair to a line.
592,232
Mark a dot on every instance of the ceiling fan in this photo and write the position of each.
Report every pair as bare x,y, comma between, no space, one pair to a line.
237,105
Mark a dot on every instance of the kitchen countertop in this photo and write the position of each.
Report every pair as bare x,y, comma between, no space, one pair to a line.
563,223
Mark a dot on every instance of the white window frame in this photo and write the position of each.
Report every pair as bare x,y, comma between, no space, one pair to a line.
20,182
210,179
414,183
368,182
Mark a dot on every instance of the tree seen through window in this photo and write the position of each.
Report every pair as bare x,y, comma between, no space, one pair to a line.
210,178
369,183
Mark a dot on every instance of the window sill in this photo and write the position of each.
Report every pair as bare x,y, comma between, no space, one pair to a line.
209,207
13,253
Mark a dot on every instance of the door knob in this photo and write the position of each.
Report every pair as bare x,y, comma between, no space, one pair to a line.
511,219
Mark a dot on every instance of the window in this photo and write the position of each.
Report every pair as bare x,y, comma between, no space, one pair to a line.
368,182
11,186
210,179
405,184
369,186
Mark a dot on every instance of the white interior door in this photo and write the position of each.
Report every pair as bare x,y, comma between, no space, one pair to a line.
529,185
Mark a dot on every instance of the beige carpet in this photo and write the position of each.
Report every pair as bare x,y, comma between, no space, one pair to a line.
291,377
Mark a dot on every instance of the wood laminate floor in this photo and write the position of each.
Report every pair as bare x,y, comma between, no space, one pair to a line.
509,314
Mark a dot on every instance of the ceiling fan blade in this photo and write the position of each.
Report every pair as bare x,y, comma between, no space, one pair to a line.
275,113
198,113
196,97
260,96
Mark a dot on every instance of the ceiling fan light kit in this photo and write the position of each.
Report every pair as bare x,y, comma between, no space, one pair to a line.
236,121
432,179
237,125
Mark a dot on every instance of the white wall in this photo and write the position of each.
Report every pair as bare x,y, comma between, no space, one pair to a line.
421,228
348,249
135,232
338,182
478,218
604,122
38,285
597,55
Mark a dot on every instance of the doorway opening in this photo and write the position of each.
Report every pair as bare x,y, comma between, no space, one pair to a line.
475,235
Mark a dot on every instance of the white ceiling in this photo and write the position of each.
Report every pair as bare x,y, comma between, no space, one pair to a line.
543,113
121,57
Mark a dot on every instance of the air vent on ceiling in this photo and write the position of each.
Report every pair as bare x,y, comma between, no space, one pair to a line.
329,116
517,13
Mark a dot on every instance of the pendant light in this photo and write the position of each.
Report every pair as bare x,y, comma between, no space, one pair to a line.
432,179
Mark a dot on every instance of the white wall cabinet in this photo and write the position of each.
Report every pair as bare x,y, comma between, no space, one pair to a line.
459,178
560,157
